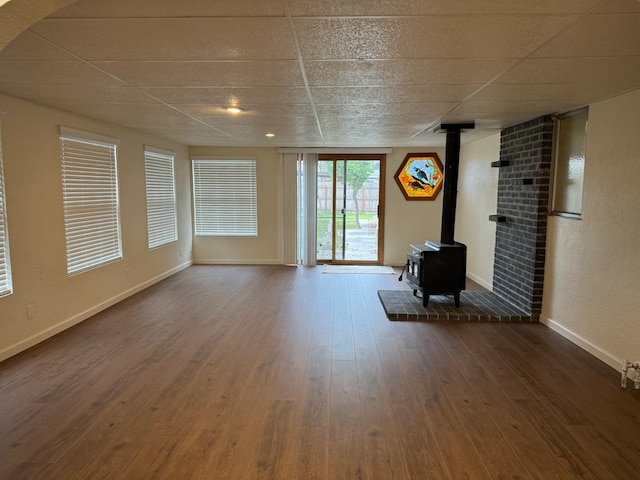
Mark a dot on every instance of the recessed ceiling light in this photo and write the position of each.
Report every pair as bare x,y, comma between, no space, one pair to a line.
269,135
233,109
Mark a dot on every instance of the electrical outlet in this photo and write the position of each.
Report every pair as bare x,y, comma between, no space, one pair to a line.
631,373
30,311
126,272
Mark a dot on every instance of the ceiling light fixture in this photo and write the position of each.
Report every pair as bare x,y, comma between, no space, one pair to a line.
234,109
269,135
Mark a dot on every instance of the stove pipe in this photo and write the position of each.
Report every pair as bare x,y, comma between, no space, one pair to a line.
451,168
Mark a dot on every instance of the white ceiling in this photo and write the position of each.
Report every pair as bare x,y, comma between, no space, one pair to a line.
325,73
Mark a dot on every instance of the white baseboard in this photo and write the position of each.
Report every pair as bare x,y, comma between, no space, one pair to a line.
600,354
80,317
244,261
480,281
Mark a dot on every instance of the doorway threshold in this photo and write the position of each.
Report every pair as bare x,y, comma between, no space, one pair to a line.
376,269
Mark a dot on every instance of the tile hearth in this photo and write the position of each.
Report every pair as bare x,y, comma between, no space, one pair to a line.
475,306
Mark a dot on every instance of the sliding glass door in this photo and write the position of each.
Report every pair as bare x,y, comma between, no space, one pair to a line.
349,221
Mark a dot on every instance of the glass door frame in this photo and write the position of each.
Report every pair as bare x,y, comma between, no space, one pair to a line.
336,158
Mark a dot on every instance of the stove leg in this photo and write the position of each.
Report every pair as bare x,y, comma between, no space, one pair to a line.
425,299
456,298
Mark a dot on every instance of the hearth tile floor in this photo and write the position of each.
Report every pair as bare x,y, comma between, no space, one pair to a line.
475,306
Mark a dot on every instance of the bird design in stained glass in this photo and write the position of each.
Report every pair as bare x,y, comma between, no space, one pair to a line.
420,176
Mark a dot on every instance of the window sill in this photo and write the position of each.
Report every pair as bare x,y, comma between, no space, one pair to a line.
574,216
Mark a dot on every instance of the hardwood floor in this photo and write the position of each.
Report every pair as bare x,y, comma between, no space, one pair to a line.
225,372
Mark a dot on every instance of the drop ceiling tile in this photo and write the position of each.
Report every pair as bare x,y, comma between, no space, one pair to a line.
282,133
372,73
573,70
250,135
455,36
28,46
616,6
423,66
528,109
53,73
603,35
579,93
368,136
291,142
206,141
189,127
165,121
251,111
392,94
533,109
172,39
382,110
193,136
439,7
414,122
280,73
170,8
85,93
127,114
299,126
264,123
230,95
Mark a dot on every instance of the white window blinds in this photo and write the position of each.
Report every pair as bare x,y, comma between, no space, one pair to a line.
5,265
90,196
161,198
225,197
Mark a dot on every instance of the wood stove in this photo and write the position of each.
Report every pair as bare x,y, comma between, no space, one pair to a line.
440,268
435,268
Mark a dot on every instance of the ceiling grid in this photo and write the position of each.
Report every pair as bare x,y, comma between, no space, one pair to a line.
329,73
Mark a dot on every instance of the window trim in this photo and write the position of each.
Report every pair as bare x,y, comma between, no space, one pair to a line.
554,211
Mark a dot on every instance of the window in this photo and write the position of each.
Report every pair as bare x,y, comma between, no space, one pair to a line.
225,197
90,196
161,197
570,146
6,287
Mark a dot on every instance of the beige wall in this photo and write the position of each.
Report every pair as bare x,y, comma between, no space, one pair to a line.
405,221
477,199
408,221
592,275
31,155
416,221
265,248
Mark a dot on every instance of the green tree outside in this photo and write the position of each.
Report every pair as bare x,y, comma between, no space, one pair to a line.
358,171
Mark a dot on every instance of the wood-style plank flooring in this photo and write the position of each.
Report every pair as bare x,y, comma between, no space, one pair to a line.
271,372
